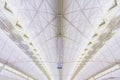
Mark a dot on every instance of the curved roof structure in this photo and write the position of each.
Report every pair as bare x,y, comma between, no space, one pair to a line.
59,39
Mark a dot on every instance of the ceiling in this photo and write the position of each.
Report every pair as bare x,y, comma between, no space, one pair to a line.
38,35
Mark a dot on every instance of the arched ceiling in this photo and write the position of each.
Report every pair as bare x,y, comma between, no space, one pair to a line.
81,35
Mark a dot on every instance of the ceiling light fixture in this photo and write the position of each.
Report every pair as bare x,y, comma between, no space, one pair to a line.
107,71
16,72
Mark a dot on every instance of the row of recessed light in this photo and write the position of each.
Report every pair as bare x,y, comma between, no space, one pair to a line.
10,69
96,42
25,44
111,69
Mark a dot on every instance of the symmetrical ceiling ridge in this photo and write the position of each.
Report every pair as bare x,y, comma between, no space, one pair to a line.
59,39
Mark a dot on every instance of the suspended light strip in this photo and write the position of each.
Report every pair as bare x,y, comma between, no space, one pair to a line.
59,36
107,71
59,66
8,68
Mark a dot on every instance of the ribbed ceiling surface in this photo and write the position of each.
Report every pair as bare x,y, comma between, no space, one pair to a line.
89,33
